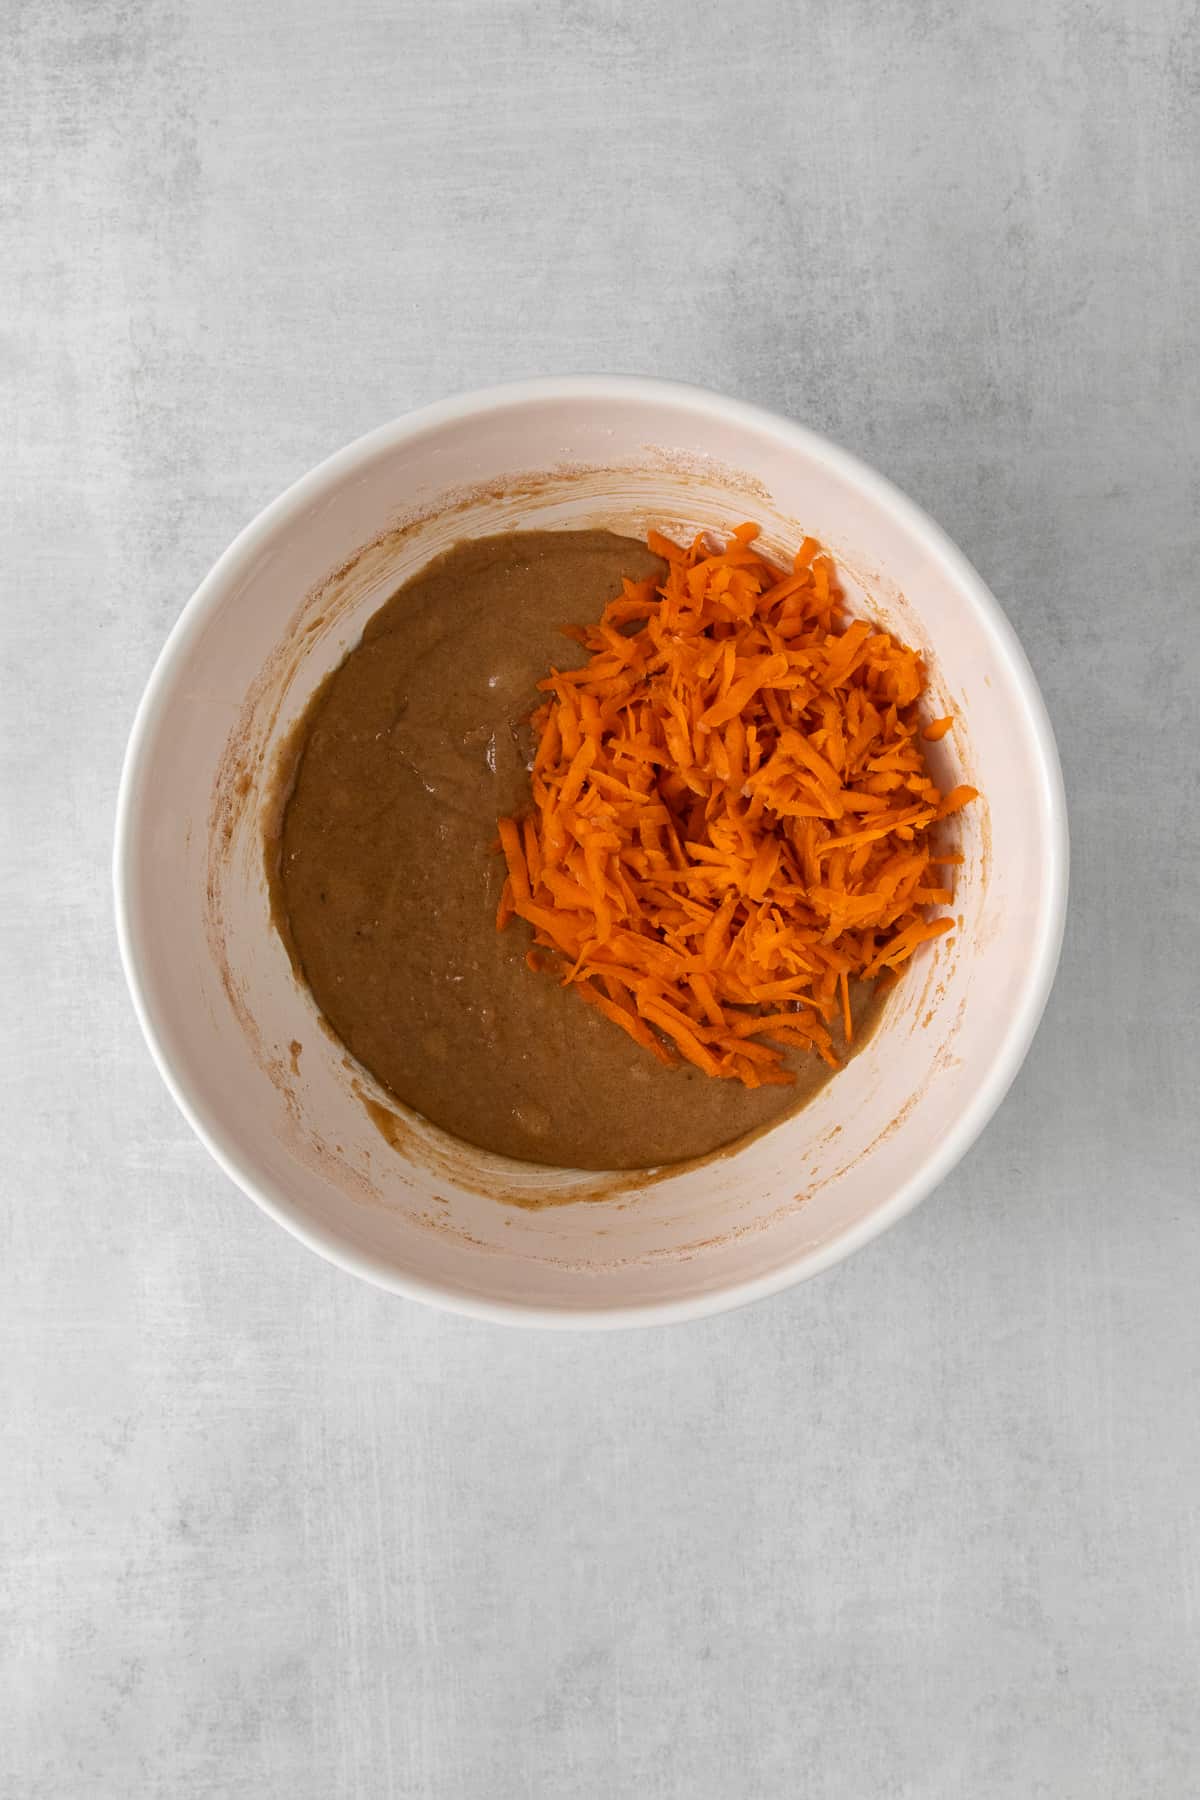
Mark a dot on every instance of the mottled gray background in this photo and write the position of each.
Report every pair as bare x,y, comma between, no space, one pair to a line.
925,1527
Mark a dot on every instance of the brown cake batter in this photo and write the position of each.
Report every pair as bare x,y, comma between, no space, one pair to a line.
386,886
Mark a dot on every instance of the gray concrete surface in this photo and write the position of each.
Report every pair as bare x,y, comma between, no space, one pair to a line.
926,1527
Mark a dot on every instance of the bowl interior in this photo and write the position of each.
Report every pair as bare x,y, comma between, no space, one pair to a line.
279,1102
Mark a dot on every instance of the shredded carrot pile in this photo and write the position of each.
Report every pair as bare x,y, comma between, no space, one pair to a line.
731,812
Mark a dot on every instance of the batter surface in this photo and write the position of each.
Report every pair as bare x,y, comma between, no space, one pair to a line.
386,886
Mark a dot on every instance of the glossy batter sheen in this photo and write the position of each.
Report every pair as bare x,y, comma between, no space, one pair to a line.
387,887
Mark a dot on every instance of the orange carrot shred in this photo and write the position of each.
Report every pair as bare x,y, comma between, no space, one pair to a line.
731,814
504,910
514,856
957,797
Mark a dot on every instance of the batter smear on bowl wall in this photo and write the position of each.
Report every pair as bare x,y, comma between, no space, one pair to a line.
703,823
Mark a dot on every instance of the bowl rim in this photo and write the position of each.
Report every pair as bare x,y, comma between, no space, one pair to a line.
1045,945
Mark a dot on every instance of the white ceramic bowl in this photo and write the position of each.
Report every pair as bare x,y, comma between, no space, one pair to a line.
237,1039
